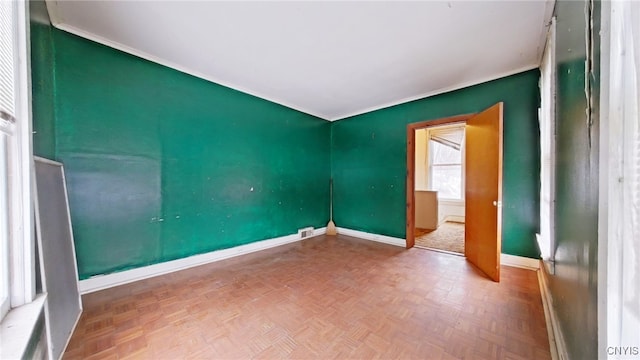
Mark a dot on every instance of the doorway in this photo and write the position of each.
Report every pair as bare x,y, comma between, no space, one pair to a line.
482,163
439,187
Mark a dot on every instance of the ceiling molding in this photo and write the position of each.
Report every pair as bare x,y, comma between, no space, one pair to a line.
361,76
542,41
157,60
54,14
440,91
154,59
135,52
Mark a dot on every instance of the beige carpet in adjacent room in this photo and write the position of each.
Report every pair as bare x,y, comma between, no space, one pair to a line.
449,236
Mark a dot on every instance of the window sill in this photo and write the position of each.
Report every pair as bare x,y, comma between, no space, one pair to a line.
17,327
450,202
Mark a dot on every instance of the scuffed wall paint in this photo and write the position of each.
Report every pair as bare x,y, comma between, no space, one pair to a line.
161,165
42,78
369,159
573,286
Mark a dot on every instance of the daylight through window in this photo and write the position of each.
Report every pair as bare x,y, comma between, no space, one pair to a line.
446,151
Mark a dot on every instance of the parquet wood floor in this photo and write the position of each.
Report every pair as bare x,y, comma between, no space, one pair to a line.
326,297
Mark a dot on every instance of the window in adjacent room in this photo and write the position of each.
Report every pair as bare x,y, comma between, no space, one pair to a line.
446,164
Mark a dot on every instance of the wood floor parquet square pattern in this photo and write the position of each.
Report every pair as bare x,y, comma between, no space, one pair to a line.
326,297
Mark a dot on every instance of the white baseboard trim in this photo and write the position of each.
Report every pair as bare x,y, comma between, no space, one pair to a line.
505,259
101,282
373,237
520,262
452,218
556,339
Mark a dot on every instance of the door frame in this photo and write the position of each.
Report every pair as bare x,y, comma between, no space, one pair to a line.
411,167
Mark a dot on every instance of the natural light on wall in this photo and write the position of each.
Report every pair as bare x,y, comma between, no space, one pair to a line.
446,153
546,115
17,275
621,174
7,131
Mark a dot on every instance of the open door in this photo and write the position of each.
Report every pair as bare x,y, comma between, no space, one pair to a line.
483,191
411,167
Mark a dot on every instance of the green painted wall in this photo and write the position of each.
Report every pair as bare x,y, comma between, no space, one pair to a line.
161,165
369,159
42,76
574,284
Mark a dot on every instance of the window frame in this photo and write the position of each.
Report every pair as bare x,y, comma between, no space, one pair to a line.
617,320
430,164
20,256
547,118
6,135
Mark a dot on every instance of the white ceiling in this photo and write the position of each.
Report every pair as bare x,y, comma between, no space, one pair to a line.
329,59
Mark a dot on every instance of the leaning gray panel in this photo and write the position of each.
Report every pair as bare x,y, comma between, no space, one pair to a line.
57,255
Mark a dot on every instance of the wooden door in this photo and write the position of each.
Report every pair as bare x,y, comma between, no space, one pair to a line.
483,190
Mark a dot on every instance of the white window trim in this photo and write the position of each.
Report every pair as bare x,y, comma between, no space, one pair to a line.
17,327
547,118
21,239
443,200
618,325
6,133
23,253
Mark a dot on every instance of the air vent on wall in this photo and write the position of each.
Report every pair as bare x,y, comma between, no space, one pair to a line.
306,232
